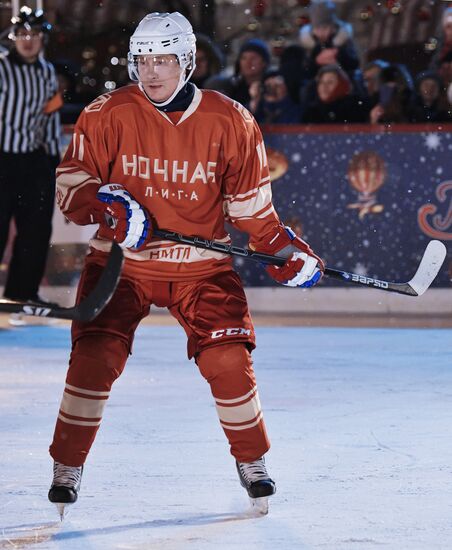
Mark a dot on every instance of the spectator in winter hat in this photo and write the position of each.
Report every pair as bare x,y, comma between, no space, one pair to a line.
396,96
293,68
323,19
430,102
252,62
271,103
328,40
209,60
250,66
257,46
445,70
335,101
372,80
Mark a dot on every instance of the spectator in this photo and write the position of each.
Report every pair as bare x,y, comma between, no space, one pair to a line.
271,103
445,70
372,80
430,103
335,100
209,60
293,68
29,103
445,42
328,41
252,62
396,96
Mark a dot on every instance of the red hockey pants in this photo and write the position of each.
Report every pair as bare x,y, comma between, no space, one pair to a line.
215,316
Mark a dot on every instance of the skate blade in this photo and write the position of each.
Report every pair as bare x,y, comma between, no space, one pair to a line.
62,509
19,320
259,506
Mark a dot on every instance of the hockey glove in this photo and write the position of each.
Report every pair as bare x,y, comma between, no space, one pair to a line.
303,268
122,219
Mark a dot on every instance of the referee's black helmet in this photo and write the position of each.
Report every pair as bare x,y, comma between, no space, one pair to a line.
30,19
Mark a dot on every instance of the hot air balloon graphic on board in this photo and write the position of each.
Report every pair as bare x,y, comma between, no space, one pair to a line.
277,163
367,173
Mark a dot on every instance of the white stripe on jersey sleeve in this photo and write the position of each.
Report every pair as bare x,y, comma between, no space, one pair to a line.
261,199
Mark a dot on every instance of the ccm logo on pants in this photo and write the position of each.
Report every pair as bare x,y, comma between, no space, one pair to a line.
230,332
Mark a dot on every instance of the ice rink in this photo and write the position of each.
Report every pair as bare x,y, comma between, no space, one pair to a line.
360,422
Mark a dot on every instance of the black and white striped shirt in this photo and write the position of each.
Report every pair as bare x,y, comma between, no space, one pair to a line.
25,89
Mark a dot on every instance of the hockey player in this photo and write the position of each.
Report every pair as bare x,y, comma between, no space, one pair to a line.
163,153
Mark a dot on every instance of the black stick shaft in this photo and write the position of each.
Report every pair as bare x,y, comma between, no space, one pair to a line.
345,276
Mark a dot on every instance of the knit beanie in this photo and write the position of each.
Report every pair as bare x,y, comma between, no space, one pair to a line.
258,46
323,13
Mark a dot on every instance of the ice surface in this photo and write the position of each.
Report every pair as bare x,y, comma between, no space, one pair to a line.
360,422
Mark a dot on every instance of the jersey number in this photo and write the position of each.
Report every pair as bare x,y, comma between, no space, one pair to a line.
78,147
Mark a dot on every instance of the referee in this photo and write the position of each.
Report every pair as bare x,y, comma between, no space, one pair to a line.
29,153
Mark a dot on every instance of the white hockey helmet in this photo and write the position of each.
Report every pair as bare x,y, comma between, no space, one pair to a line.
164,33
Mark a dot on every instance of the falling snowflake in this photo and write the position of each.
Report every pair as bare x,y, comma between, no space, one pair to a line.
360,269
432,141
296,157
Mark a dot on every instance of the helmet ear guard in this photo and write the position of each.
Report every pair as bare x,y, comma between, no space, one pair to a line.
163,34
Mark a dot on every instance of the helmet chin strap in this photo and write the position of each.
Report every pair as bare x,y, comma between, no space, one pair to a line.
182,81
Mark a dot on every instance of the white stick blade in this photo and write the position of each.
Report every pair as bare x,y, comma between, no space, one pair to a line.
428,269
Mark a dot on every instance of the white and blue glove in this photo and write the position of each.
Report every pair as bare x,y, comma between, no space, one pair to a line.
122,219
303,268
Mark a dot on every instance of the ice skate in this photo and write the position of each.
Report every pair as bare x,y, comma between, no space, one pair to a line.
17,320
258,484
22,319
65,486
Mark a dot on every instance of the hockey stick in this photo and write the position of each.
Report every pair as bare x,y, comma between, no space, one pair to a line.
431,263
88,308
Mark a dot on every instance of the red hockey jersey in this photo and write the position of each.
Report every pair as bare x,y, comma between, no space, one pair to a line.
192,176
